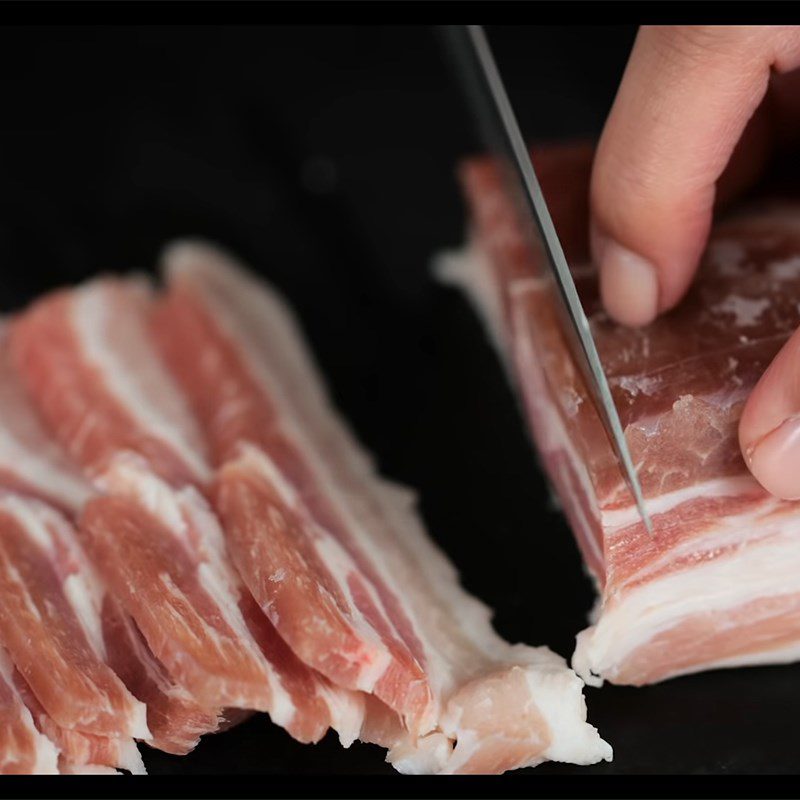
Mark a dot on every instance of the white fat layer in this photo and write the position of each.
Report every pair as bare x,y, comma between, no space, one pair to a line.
766,568
87,606
46,755
137,378
129,476
130,758
558,695
42,473
429,755
786,270
746,311
727,533
617,519
787,654
346,709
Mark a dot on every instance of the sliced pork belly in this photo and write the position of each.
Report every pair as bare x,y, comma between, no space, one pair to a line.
337,557
32,462
718,582
145,527
176,719
75,351
23,749
193,631
88,363
50,622
80,748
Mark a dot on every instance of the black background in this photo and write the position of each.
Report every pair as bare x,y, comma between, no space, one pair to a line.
325,158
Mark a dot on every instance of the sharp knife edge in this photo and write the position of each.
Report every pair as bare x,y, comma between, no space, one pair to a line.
592,366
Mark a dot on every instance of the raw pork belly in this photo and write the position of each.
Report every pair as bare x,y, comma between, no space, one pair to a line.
50,622
89,364
337,557
227,547
31,462
718,582
23,749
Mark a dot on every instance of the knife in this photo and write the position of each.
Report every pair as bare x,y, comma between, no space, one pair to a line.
498,124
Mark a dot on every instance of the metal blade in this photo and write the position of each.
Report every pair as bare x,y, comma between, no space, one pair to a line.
500,129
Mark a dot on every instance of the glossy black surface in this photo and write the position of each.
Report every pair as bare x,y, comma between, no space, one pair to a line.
325,157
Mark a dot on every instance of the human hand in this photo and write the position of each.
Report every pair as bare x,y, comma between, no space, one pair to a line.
697,115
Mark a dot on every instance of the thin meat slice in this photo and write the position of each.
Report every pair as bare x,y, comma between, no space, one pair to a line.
74,351
197,618
24,750
338,558
50,622
718,582
80,748
175,718
30,461
146,555
305,579
33,463
106,397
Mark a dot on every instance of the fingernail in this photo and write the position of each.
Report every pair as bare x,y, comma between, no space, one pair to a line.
628,284
775,459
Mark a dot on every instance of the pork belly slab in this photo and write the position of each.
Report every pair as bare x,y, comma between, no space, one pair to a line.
337,557
718,582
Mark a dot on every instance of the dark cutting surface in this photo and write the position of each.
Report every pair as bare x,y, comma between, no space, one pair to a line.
325,158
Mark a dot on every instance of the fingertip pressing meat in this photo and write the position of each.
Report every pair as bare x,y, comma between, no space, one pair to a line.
718,583
320,538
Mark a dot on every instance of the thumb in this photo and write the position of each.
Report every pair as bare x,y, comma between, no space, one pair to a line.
685,100
769,429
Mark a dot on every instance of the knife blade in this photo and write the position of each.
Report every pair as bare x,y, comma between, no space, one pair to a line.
498,124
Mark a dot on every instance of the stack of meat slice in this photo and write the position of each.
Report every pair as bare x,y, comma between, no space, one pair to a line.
718,582
191,531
